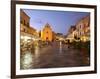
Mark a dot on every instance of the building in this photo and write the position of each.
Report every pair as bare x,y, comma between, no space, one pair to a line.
72,34
47,33
71,29
59,36
81,31
32,31
26,30
83,28
24,21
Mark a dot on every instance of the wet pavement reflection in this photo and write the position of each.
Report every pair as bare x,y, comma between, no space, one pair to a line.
52,56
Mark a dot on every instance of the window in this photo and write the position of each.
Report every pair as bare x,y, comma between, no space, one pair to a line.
28,24
80,26
24,22
80,33
24,30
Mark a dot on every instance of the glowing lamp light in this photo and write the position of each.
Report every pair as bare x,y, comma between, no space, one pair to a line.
84,38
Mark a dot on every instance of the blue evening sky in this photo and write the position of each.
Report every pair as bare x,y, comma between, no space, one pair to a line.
60,21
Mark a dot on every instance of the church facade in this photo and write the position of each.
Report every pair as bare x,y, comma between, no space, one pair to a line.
47,33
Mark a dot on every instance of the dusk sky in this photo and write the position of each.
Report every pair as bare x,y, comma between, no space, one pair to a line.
60,21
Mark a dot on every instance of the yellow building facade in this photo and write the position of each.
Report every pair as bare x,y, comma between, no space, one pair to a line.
47,33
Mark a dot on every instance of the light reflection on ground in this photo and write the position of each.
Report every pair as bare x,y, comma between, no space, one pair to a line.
27,60
51,56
